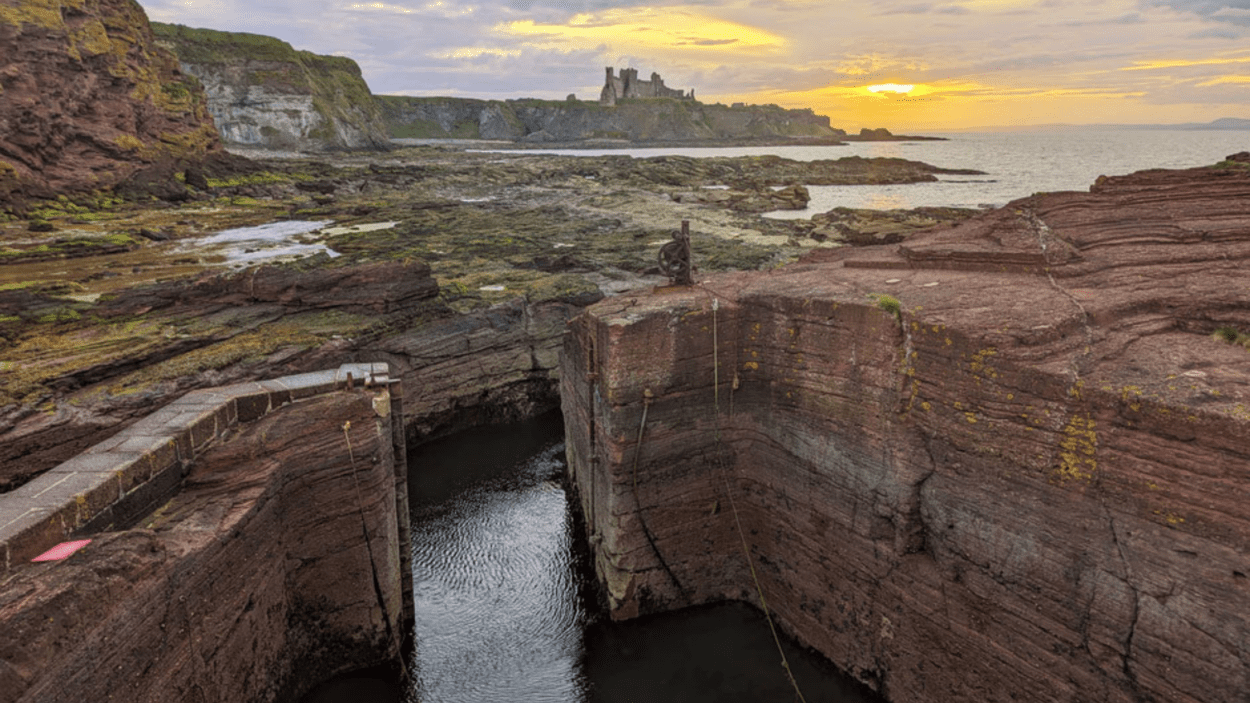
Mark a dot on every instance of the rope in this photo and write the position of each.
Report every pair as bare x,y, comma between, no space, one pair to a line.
733,506
646,403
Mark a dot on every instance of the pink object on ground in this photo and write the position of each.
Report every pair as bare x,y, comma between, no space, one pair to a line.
62,550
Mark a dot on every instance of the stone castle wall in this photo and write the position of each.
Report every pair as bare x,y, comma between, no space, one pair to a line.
627,85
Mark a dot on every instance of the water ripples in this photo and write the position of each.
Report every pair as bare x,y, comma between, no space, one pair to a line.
498,610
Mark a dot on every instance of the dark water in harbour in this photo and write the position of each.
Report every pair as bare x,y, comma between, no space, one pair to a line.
505,605
506,609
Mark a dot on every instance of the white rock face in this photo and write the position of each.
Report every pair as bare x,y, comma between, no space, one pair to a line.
272,118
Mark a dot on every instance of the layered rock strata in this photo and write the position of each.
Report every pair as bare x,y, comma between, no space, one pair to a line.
1003,461
278,562
489,365
87,101
263,93
34,441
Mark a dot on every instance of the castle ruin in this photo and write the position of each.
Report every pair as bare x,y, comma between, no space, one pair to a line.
627,85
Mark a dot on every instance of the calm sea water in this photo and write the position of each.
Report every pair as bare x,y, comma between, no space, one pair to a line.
505,610
1017,164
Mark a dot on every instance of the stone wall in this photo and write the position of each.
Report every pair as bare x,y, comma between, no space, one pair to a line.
987,465
248,543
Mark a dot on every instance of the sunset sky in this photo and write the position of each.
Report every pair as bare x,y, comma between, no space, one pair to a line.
969,62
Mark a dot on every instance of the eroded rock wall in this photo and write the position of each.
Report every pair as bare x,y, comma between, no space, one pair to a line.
277,565
1026,484
88,100
491,365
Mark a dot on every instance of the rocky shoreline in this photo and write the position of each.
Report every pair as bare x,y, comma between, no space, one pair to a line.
460,269
123,305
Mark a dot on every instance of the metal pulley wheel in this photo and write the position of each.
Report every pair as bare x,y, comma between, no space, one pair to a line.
674,259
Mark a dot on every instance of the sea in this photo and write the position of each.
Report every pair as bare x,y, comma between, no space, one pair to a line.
1016,164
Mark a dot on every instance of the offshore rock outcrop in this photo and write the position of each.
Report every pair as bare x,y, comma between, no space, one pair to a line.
262,93
636,120
1001,461
88,101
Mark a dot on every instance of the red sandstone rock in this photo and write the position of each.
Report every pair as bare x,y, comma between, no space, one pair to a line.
277,566
1028,485
493,365
87,101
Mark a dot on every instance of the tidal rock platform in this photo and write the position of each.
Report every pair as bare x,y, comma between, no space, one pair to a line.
1006,460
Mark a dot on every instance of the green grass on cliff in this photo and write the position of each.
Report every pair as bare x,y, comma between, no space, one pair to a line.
40,13
1232,335
210,46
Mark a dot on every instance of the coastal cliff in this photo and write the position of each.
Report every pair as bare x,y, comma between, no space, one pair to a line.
88,102
635,120
263,93
1001,461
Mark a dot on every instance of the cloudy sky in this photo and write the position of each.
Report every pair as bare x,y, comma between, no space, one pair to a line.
969,62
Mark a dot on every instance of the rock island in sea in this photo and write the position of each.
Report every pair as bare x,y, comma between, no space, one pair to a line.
120,294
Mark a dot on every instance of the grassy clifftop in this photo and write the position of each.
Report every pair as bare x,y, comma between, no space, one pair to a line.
209,46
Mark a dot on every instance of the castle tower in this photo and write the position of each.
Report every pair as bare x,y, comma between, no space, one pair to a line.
608,95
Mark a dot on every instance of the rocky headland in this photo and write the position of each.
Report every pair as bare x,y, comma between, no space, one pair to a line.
636,122
262,93
1001,460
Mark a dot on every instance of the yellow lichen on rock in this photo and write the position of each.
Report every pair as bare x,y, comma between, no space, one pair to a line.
40,13
1078,449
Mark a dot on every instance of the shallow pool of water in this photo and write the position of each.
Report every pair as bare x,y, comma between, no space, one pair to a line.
268,242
